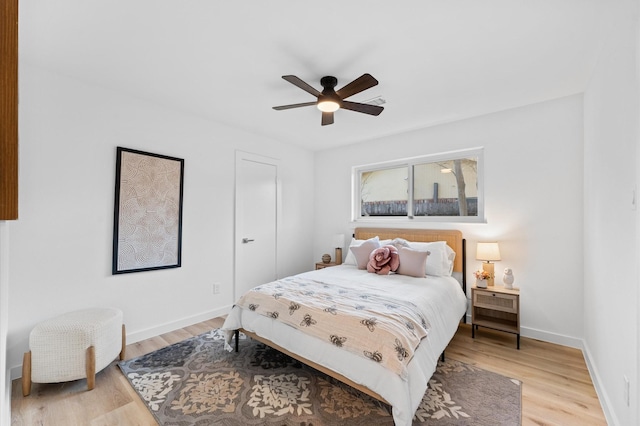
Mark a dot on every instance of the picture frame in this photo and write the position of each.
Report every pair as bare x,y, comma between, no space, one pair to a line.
147,224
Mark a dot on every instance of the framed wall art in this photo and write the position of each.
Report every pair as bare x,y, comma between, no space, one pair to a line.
147,229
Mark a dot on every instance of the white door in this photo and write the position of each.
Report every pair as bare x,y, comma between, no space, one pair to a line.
256,219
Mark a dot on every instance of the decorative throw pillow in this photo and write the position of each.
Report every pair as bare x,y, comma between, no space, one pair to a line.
412,262
383,260
363,251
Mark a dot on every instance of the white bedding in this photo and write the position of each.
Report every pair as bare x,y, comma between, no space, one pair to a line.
443,302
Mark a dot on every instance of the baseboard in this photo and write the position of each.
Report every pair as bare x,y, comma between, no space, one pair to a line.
546,336
170,326
137,336
603,397
5,413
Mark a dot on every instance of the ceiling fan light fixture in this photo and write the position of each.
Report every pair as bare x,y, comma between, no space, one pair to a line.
328,105
329,100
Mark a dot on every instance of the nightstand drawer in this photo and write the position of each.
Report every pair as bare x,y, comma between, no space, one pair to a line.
495,301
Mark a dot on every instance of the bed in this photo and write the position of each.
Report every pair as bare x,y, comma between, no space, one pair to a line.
440,303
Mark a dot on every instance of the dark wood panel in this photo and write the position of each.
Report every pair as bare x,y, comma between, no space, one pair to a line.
9,110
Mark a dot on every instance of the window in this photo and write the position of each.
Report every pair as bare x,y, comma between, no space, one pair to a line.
436,188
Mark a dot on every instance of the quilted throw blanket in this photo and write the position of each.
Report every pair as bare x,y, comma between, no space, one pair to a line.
371,324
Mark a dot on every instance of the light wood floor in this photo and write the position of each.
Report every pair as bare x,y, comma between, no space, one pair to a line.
557,388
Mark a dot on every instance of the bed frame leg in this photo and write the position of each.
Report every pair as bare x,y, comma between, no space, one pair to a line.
237,336
442,357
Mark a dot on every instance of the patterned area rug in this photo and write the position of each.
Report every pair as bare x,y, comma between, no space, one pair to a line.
197,382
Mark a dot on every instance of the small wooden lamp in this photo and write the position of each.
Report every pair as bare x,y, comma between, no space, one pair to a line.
338,243
488,252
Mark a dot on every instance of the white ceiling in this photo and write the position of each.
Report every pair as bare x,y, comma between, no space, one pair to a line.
436,60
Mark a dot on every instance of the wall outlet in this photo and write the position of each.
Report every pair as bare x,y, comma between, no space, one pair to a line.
216,288
626,390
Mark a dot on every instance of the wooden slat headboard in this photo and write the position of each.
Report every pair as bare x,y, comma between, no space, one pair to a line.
452,237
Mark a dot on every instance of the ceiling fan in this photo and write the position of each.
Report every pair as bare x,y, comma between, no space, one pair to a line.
330,100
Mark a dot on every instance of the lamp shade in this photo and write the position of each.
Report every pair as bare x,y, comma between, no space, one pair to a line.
488,251
338,240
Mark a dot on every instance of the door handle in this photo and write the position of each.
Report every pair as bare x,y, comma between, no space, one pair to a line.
246,240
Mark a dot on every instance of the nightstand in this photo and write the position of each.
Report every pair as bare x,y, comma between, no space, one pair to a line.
322,265
497,308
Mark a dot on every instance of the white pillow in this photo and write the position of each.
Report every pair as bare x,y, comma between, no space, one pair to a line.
440,261
451,257
351,258
399,242
412,262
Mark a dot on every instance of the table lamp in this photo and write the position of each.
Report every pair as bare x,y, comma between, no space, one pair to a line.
488,252
338,243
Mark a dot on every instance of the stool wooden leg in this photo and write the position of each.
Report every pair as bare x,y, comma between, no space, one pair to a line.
124,343
26,374
91,367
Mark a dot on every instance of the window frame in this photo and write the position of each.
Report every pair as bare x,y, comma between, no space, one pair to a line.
356,177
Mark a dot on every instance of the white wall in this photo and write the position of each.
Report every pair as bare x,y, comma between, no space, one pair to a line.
533,192
60,249
611,276
5,383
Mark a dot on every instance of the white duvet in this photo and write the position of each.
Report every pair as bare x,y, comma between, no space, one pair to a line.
441,300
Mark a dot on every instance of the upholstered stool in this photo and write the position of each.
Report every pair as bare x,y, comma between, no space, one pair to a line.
73,346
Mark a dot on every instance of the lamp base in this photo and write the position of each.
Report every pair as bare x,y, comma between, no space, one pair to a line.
338,256
489,268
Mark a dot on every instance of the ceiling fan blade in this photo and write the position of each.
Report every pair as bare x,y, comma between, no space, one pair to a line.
327,118
364,82
304,104
301,84
365,108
